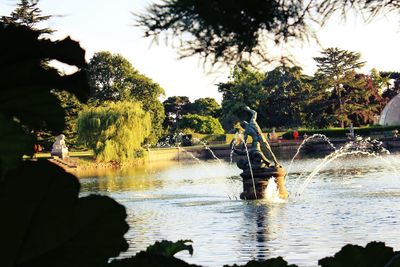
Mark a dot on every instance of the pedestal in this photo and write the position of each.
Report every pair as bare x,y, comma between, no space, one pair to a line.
61,153
261,179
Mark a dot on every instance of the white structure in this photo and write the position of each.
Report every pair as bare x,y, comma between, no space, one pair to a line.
60,149
391,113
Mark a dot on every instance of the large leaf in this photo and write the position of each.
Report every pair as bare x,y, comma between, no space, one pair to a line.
169,248
275,262
375,254
38,109
159,254
145,259
45,223
67,51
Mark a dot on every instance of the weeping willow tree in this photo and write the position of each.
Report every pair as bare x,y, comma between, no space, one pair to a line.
115,131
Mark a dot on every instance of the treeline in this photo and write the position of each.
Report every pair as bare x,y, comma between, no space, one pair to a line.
335,96
285,97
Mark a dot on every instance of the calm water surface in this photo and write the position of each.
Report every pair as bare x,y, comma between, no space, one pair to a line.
354,200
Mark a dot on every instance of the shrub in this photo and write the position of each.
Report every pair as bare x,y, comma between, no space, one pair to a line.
201,124
115,131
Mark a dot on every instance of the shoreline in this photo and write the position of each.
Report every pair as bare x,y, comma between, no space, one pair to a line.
284,149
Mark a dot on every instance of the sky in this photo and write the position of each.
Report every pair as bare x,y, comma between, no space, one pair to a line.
101,26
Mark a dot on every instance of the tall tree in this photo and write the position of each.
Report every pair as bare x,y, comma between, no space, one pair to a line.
244,88
113,78
279,96
72,106
333,69
287,92
364,102
175,107
147,92
201,124
205,107
360,97
27,13
110,77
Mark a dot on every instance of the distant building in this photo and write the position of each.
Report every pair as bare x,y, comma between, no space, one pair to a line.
391,113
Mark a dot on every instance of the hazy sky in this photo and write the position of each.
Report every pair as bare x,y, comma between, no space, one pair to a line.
107,25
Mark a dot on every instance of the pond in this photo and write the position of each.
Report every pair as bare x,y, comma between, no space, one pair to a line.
352,200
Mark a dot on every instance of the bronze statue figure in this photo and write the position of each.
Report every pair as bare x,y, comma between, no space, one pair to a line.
257,169
259,141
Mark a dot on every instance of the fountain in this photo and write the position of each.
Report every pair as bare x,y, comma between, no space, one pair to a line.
207,148
257,168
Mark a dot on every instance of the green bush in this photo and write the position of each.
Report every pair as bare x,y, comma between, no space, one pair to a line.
114,131
201,124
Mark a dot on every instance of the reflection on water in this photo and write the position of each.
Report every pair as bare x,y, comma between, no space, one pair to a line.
349,201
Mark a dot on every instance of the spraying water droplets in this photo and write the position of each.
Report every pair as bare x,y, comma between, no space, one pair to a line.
357,147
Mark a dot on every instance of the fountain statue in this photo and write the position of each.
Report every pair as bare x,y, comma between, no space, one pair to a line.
257,169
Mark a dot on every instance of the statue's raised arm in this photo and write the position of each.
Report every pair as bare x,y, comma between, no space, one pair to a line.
253,114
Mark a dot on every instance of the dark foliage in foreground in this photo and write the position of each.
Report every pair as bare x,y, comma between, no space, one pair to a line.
225,29
26,81
375,254
45,223
230,30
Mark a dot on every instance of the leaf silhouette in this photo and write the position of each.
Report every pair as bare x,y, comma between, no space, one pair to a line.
145,259
375,254
13,143
169,248
275,262
45,223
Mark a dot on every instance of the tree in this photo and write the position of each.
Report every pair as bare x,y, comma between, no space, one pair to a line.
148,93
279,96
71,106
27,13
360,97
115,131
229,31
201,124
109,77
364,102
392,82
205,107
175,107
112,77
334,70
287,91
243,89
381,80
